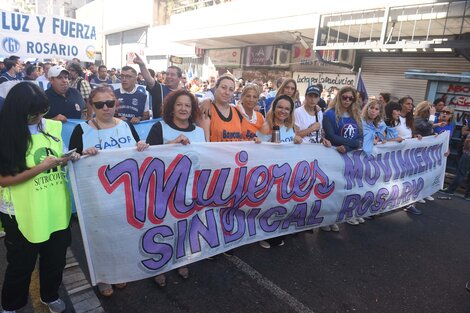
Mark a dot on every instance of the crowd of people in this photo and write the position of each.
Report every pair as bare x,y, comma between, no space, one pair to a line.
36,220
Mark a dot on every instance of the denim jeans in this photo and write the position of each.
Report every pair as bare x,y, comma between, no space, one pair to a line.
462,170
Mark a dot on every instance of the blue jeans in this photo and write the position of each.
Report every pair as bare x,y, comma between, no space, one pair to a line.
462,170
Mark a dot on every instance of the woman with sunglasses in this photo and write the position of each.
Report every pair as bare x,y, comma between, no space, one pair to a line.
103,132
35,206
444,121
180,110
343,127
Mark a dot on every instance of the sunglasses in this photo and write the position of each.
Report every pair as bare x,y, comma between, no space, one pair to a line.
100,104
446,112
345,98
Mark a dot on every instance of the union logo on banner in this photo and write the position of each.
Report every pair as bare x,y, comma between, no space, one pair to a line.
10,45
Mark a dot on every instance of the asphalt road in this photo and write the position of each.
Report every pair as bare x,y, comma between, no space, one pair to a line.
395,263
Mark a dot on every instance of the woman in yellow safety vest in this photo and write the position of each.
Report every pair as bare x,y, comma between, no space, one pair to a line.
35,203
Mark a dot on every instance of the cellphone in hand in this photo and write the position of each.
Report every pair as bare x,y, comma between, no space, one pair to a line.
69,153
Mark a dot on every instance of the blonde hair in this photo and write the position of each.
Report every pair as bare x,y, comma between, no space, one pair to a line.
280,90
451,115
248,88
378,118
423,109
353,110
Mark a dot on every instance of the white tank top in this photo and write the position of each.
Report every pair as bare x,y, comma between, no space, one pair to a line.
119,136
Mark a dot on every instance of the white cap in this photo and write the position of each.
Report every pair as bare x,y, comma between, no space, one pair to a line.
55,71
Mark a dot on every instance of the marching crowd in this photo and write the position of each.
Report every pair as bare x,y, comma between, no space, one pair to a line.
219,109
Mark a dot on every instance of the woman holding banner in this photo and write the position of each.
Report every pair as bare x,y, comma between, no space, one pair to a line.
343,128
405,130
103,132
280,115
180,110
34,205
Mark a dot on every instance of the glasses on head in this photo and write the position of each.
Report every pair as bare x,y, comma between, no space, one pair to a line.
100,104
345,98
446,112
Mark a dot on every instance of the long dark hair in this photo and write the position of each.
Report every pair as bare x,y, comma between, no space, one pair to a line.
409,116
389,108
24,99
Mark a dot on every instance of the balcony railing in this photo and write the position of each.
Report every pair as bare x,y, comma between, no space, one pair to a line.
181,6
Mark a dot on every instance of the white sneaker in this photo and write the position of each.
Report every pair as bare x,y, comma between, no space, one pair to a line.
2,234
57,306
325,228
353,221
334,228
264,244
361,220
421,201
429,198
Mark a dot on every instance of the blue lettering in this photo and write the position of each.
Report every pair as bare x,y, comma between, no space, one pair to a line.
64,28
29,47
79,30
41,21
55,25
93,32
25,28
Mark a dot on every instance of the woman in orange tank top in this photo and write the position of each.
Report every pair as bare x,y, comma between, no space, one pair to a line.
225,121
253,120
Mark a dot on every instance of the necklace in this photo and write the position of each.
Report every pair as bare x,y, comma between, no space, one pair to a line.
97,125
98,128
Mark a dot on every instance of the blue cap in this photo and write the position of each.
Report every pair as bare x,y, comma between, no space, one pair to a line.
312,89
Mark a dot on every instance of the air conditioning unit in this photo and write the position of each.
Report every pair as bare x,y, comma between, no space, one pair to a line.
282,57
347,57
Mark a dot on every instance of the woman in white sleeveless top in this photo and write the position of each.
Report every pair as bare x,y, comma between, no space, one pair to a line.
103,132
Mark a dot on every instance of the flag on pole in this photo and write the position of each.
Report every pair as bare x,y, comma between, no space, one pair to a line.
361,87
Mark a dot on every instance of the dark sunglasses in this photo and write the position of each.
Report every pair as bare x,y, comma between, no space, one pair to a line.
446,112
100,104
350,98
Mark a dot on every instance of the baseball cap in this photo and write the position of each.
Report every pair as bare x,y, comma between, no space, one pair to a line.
312,89
55,71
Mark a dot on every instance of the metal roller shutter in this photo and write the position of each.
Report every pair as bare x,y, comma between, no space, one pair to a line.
386,74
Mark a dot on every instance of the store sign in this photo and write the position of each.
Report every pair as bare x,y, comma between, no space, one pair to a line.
225,57
176,60
455,95
302,56
328,80
259,56
36,36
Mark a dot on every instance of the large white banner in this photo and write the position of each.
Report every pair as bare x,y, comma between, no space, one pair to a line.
144,213
37,36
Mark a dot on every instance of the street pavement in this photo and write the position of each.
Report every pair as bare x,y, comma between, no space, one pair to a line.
396,263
